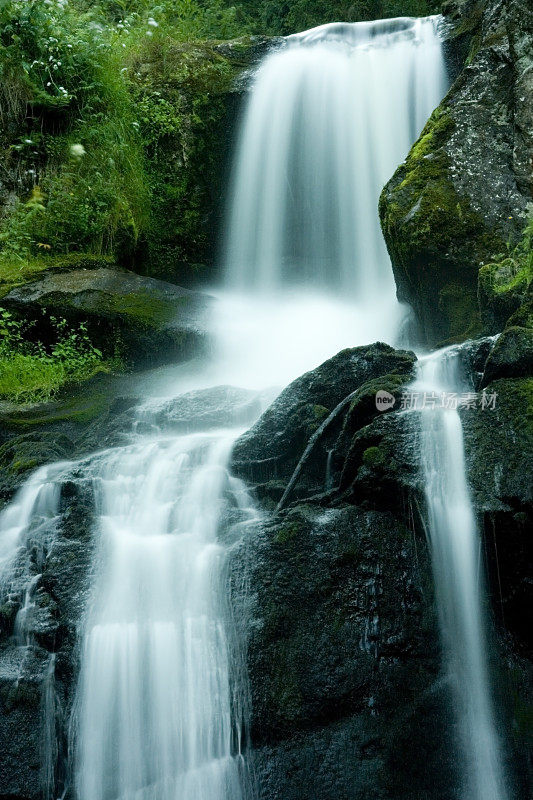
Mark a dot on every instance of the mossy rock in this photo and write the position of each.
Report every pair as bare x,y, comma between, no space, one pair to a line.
499,444
144,321
271,449
188,96
511,356
435,238
504,287
456,203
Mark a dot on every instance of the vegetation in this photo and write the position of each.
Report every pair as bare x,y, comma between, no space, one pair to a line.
111,132
31,372
281,17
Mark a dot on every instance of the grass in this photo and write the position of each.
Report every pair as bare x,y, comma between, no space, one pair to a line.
32,372
34,378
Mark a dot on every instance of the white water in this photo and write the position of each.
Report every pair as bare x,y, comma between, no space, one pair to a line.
32,513
457,568
157,717
330,117
155,708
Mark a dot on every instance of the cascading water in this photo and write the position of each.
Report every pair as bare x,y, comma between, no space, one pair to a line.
155,715
329,117
455,550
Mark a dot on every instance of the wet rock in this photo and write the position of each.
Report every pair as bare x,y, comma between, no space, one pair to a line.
499,451
343,659
511,356
271,449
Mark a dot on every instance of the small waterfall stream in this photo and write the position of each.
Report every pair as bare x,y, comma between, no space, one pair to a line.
329,117
458,570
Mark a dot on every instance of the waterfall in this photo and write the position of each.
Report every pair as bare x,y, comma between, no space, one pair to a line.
457,567
155,713
330,116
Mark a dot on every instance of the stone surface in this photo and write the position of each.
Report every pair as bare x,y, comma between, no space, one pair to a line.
464,190
511,356
269,452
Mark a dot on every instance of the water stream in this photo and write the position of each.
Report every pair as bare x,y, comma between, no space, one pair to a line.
157,717
458,570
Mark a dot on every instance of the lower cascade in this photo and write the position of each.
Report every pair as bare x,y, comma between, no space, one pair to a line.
161,706
155,711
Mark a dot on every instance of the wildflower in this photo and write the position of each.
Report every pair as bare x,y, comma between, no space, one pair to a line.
153,23
149,33
77,150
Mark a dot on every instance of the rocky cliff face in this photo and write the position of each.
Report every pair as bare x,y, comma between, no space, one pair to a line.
349,698
463,197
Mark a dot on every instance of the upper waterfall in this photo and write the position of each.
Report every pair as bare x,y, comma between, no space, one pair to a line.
330,115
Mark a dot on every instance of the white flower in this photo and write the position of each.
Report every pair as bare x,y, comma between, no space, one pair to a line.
149,33
77,150
153,23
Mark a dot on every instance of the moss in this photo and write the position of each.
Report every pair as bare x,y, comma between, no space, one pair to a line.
18,272
515,401
505,285
363,407
141,307
523,317
436,240
286,693
462,311
373,457
83,404
24,465
287,532
320,412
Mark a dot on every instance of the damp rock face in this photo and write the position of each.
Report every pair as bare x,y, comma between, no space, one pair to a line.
464,193
344,657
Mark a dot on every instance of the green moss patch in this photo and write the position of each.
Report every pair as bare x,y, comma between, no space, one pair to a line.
436,240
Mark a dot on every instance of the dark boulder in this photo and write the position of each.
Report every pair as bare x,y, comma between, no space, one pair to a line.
511,355
270,451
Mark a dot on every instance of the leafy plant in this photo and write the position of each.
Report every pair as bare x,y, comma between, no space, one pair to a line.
32,372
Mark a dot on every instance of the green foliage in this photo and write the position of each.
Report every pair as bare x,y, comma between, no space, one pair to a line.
281,17
32,372
77,143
